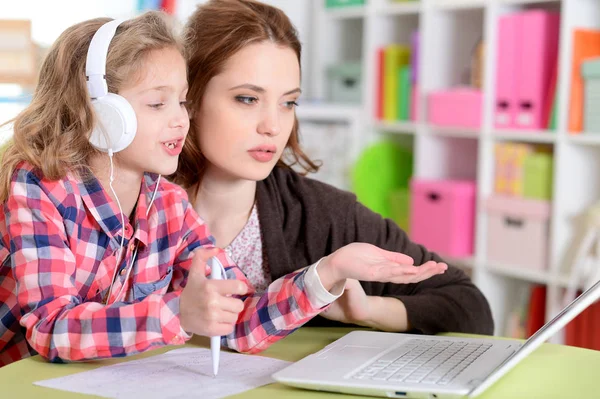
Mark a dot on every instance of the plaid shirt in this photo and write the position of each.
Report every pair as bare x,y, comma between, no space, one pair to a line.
59,242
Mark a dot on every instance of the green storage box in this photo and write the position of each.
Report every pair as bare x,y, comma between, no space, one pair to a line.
537,176
345,83
382,168
343,3
590,70
400,208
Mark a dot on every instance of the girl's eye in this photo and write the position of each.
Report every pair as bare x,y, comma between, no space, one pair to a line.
291,104
156,105
246,99
183,103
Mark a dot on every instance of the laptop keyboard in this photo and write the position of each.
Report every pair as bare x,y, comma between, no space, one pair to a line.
424,361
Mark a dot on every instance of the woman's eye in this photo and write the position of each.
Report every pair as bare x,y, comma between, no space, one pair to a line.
156,105
291,104
246,99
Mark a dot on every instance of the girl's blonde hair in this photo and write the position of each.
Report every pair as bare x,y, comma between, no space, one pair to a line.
52,132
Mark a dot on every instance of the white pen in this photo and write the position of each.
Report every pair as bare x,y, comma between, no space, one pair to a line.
216,273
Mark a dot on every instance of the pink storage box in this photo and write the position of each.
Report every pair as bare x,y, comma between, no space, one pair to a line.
460,107
442,216
518,232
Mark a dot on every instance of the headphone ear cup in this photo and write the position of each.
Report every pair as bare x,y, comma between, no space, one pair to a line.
116,123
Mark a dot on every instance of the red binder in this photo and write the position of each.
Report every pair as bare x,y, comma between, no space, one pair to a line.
537,310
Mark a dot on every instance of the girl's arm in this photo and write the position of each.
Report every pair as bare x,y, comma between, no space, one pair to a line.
267,317
59,324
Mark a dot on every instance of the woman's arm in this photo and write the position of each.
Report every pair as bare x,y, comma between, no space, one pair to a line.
443,303
293,299
356,307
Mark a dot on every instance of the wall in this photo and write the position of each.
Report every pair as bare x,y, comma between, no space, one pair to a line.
50,18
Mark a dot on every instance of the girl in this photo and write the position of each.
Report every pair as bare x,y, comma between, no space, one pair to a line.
244,71
96,248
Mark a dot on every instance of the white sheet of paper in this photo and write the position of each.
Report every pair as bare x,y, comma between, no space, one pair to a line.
180,373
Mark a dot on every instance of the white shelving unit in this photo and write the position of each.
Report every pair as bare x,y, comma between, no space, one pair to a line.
343,118
449,29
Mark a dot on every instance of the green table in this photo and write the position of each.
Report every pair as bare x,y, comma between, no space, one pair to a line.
552,371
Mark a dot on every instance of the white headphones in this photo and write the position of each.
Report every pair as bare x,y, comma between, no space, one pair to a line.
116,123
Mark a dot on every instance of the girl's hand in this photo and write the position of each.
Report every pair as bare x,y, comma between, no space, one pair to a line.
206,307
366,262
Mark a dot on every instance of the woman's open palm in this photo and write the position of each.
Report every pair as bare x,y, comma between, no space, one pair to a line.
366,262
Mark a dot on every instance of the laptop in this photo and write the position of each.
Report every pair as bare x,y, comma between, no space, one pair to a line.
396,365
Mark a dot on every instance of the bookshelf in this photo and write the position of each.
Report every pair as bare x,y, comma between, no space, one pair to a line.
448,29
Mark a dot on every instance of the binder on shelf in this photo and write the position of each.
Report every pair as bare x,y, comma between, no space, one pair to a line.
404,92
506,82
414,103
414,57
538,56
395,56
508,168
477,65
537,310
586,44
379,83
583,330
596,326
585,333
571,338
590,73
414,75
550,112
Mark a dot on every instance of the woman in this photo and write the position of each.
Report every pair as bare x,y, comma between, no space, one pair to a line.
244,76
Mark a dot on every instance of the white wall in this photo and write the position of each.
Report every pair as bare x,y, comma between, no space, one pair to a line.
300,13
50,18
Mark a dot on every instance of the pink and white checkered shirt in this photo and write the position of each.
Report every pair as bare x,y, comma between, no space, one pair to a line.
59,242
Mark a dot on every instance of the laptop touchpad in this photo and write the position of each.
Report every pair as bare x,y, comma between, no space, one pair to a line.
353,352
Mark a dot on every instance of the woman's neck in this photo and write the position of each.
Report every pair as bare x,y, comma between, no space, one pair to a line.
126,182
225,205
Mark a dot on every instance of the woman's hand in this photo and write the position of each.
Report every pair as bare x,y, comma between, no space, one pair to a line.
352,307
366,262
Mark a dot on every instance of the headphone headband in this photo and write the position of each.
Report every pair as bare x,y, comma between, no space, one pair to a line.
95,65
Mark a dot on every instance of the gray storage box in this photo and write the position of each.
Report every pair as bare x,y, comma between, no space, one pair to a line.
344,82
590,71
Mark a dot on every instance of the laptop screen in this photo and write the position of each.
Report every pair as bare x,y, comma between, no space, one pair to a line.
571,311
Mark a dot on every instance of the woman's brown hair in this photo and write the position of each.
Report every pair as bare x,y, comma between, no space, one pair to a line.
52,132
214,33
